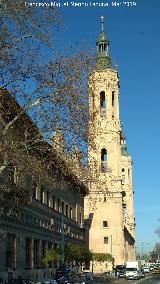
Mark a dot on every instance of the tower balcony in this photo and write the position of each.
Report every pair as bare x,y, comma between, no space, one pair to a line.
103,112
104,168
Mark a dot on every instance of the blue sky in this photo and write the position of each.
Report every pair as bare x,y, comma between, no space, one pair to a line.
134,34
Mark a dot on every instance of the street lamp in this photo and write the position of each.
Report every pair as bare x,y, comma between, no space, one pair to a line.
143,243
62,240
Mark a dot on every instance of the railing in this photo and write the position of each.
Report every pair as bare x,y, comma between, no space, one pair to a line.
48,219
52,213
104,168
103,112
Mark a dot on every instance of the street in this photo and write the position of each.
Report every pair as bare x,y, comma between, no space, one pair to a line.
150,279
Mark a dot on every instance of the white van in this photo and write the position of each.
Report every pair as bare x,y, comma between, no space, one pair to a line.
133,270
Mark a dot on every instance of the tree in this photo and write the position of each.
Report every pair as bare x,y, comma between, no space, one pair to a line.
157,248
102,257
155,255
52,90
79,254
158,231
52,255
73,253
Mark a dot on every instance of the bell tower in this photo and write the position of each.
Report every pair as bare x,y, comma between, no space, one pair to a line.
104,123
105,200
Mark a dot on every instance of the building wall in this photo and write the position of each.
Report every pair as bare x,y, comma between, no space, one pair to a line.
35,221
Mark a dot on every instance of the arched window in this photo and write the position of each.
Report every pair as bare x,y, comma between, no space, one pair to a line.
102,47
102,103
103,160
124,208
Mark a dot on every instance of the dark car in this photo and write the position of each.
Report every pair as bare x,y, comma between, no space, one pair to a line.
120,271
62,274
88,276
81,278
143,273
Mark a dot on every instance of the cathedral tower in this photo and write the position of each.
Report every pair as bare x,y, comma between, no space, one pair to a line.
111,197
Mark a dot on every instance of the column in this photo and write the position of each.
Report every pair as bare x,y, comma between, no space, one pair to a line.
109,104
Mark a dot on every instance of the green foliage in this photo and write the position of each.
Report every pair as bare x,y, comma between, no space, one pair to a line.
77,253
101,257
52,255
86,255
72,253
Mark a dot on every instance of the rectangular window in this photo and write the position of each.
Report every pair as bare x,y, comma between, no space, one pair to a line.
44,247
67,210
113,99
36,252
42,195
62,207
59,205
48,198
70,212
28,259
105,224
34,191
80,219
11,252
54,202
105,240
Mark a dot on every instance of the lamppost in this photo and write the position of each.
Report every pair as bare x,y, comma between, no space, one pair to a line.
137,256
62,240
143,243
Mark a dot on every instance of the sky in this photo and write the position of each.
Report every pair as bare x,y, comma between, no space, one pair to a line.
134,34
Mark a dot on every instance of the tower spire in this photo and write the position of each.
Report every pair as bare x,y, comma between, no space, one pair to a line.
103,58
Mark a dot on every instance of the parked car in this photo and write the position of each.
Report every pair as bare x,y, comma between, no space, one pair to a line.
151,267
88,276
142,273
48,281
81,278
62,274
156,269
146,269
120,271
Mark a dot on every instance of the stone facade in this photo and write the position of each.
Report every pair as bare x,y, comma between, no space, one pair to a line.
54,207
111,197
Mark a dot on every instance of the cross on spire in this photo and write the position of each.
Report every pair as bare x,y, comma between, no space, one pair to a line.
102,23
